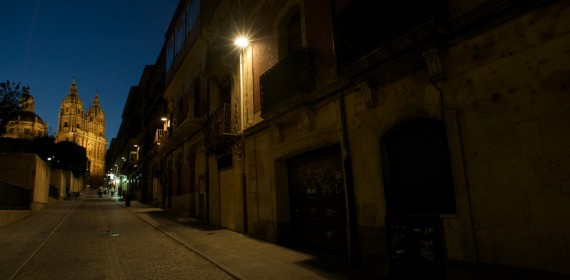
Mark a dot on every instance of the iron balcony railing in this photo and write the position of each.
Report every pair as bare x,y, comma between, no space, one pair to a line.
219,127
158,136
292,76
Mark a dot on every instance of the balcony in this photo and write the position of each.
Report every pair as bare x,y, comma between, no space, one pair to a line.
180,132
220,130
158,136
283,85
385,28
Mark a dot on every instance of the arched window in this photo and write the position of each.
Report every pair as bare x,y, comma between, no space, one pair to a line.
289,31
293,29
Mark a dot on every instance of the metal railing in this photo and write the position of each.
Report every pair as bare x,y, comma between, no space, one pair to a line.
158,135
219,125
291,76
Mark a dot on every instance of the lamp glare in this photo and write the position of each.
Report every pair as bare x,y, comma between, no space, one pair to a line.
241,42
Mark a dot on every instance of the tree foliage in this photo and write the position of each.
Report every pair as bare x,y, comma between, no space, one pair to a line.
64,155
10,94
70,156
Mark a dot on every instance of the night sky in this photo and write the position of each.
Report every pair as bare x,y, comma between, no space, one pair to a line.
103,44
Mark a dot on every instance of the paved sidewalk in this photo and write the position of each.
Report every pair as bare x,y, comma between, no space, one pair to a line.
248,258
244,257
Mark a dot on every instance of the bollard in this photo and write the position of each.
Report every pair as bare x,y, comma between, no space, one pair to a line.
127,199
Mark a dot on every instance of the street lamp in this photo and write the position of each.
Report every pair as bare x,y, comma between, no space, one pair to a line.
241,42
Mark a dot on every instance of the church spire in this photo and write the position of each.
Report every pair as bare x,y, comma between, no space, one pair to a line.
73,87
96,99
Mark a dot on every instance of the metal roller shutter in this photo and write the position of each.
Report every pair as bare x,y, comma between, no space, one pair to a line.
227,183
418,174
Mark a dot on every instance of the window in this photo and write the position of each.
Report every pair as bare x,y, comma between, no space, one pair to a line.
289,31
192,12
225,161
182,109
185,24
179,37
417,169
197,99
294,32
170,53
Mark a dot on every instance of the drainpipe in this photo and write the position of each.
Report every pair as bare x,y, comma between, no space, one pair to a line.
436,73
346,166
349,186
208,153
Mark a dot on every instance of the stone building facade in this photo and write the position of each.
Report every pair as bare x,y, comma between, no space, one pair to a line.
86,130
343,124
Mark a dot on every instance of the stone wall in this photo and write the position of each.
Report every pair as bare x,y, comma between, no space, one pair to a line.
30,172
59,180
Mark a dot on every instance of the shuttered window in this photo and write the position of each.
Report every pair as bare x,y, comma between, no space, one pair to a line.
417,169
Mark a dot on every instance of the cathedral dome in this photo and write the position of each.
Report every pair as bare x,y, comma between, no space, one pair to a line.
26,116
26,123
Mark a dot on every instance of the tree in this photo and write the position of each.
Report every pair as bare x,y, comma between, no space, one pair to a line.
70,156
10,94
44,147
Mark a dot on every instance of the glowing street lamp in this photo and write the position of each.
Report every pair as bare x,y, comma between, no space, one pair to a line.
241,42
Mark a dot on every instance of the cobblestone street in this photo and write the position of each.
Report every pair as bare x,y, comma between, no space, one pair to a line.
102,240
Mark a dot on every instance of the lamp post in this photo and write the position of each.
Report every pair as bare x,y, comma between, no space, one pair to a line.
242,43
116,176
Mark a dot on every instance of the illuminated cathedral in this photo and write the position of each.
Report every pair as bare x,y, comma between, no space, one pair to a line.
85,129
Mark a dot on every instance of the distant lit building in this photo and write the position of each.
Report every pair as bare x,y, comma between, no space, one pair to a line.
26,124
86,130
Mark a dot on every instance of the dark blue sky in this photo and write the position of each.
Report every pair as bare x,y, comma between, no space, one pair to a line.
104,44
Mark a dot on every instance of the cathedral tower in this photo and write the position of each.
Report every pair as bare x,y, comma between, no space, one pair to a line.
70,116
95,119
86,130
